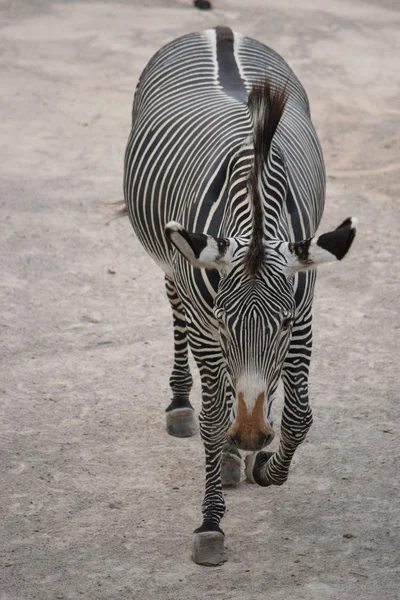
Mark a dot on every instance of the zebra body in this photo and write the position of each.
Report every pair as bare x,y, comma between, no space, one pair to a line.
216,151
191,100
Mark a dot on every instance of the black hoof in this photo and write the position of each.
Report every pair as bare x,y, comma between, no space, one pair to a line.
181,422
208,545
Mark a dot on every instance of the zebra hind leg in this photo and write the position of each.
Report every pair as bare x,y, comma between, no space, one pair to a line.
180,415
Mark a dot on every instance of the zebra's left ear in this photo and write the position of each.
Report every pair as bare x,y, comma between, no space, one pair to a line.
199,249
328,247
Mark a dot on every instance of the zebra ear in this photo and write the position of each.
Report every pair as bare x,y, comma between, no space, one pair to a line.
199,249
328,247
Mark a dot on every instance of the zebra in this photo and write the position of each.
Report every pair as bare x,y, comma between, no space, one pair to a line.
224,185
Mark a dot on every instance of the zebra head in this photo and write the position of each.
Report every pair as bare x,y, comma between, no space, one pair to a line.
254,307
254,313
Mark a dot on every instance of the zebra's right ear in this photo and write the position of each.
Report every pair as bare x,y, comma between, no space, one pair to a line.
203,251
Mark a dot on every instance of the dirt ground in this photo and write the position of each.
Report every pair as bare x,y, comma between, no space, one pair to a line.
97,501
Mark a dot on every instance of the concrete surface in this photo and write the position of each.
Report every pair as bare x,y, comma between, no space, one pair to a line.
97,502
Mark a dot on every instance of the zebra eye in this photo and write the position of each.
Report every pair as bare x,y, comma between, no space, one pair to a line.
287,320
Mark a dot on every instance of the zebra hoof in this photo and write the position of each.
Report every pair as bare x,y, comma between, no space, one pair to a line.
181,422
230,470
208,548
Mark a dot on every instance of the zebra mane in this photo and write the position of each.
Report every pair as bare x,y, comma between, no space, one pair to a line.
266,107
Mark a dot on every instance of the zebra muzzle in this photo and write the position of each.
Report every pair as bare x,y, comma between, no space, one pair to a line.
250,430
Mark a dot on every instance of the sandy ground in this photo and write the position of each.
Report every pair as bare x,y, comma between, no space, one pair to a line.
97,502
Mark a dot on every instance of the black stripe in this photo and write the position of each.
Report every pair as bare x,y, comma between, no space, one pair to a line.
228,72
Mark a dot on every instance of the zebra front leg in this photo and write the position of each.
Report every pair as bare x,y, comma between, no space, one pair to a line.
267,468
208,540
180,417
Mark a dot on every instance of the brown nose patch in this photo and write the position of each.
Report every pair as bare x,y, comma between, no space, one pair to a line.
250,424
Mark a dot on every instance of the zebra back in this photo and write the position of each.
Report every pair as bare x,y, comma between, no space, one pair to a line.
190,151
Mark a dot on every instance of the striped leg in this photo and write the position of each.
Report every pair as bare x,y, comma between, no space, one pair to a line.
181,419
266,468
208,540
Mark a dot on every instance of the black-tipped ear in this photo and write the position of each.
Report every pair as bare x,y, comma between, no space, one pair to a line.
328,247
190,245
199,249
338,242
